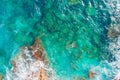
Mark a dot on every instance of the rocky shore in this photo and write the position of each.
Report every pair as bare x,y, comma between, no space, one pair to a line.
30,64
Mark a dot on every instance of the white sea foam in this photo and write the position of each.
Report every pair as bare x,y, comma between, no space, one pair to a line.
111,70
28,68
114,47
114,44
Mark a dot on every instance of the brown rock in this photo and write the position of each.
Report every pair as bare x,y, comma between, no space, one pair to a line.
91,74
37,50
14,65
37,55
43,75
35,44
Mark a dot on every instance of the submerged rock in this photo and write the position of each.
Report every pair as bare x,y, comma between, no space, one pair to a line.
1,76
90,11
72,2
79,78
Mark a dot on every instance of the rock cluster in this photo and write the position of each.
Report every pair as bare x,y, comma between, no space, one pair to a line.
30,63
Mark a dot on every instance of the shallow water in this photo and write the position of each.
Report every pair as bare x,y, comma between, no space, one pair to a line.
74,33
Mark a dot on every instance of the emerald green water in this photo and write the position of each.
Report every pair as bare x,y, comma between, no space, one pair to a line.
73,32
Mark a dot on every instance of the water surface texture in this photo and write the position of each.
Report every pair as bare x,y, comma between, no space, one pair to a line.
80,37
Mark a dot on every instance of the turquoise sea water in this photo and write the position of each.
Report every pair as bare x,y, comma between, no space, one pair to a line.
74,34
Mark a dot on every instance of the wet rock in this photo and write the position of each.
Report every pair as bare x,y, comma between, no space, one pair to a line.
35,44
14,65
37,51
113,31
43,75
91,74
34,57
37,54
